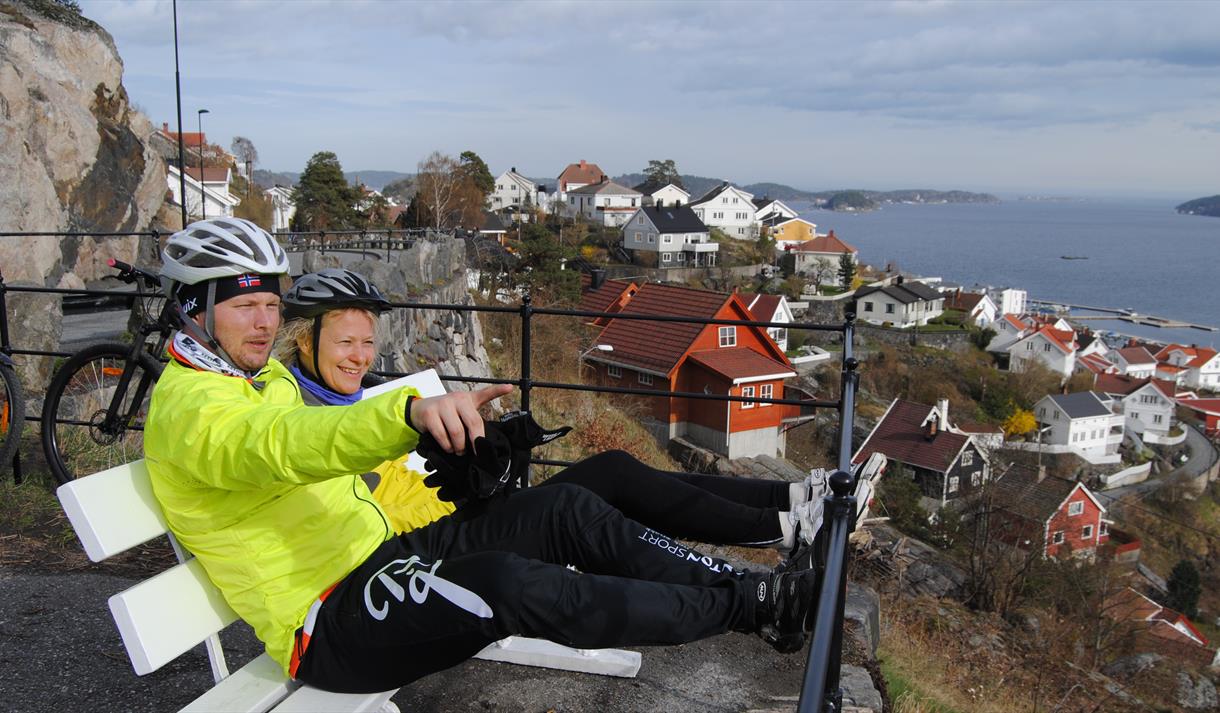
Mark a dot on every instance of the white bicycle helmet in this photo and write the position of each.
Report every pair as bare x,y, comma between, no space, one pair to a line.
220,247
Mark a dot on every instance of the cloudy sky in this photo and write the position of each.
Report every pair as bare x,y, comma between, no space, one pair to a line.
1090,98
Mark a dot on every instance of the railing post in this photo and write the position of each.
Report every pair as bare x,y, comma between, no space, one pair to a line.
526,383
849,378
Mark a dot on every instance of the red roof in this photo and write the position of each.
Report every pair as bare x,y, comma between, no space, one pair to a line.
1211,406
189,138
964,301
1124,385
582,172
740,363
1136,355
1063,339
601,299
1096,363
211,174
825,244
1198,355
658,346
1022,491
762,307
901,435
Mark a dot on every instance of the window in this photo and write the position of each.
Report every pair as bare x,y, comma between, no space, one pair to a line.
1041,410
1046,347
1029,346
681,257
666,257
571,200
868,306
1156,418
953,484
766,391
1087,532
1104,529
615,372
968,458
1076,508
889,308
637,236
975,479
667,239
645,379
747,391
728,336
1056,414
652,238
1057,538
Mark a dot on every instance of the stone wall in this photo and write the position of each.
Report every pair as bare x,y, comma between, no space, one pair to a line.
956,341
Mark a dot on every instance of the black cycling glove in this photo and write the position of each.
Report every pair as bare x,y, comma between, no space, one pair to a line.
524,434
480,472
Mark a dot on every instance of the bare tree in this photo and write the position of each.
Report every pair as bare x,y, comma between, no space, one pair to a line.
819,269
445,196
245,152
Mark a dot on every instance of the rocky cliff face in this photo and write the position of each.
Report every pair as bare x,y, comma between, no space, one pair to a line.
75,153
431,272
76,158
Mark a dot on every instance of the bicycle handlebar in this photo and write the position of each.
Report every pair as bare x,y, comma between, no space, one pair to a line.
130,273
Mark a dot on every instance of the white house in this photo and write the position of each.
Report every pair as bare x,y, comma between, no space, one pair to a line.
730,209
282,207
1012,301
977,307
605,203
514,194
678,238
767,207
1086,421
1136,362
822,247
667,195
1147,404
1200,366
902,304
1053,348
771,308
211,198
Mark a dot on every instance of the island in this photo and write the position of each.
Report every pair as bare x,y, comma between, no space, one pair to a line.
1209,206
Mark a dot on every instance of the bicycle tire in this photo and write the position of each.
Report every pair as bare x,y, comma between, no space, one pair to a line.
74,439
12,415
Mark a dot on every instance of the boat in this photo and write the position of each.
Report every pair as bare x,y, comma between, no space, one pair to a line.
1073,257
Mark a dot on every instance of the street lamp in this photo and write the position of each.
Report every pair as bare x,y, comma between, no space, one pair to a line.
595,348
203,199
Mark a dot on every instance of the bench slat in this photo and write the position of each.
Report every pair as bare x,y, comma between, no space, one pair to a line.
256,687
164,616
113,511
429,384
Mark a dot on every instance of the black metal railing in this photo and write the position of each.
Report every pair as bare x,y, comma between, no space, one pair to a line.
820,689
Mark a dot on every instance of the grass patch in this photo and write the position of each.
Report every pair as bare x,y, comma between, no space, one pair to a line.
905,695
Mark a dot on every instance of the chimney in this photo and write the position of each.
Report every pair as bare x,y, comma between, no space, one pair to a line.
513,169
933,426
582,163
898,280
165,126
598,278
831,234
942,405
1041,473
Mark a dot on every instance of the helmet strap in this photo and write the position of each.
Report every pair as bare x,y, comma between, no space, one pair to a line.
209,320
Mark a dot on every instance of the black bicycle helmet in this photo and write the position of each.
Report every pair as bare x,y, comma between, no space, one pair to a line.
317,293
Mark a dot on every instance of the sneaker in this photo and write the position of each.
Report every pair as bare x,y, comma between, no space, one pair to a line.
785,608
817,484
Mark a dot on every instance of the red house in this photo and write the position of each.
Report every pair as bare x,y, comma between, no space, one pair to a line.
701,358
1161,629
1040,510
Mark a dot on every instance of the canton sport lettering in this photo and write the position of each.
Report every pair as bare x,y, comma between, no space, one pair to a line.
676,549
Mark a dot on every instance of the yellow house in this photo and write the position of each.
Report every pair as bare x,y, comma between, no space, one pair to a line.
790,231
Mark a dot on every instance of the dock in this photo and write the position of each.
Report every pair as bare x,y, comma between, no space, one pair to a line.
1125,315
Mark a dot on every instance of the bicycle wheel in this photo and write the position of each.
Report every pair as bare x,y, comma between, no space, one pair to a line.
12,415
77,436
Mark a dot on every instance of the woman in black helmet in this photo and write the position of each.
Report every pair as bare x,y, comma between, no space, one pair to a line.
328,342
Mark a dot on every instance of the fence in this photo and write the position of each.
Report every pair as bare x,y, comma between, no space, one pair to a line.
820,689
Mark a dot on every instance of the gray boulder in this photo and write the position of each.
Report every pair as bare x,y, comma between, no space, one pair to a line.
1129,666
859,693
1195,695
862,615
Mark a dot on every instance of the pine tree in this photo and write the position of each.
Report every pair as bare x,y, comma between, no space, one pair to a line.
847,270
324,199
1183,588
660,173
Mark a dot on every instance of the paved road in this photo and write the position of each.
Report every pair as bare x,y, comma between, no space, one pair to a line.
1202,455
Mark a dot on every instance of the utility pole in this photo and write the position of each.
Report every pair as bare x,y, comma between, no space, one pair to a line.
178,95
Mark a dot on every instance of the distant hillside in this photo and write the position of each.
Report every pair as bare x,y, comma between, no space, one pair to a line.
859,199
1209,206
373,179
851,200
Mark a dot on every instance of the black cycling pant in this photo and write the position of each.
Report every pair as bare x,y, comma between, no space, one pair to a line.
715,509
433,597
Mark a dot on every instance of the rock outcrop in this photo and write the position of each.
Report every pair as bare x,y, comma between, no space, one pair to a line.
434,272
75,152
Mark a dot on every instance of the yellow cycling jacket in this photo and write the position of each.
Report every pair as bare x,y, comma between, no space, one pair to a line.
259,487
404,497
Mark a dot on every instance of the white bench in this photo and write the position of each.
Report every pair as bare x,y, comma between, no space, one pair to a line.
170,613
518,649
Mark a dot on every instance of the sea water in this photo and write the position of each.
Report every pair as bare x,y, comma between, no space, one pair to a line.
1140,254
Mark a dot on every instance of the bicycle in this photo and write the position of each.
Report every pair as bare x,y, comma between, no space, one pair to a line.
94,411
12,398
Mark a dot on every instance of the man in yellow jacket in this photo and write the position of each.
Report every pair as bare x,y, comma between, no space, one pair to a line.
263,491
